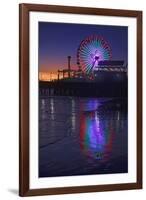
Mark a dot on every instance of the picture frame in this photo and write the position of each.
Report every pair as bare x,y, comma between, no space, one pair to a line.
25,76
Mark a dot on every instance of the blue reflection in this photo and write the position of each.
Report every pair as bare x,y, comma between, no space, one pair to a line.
81,136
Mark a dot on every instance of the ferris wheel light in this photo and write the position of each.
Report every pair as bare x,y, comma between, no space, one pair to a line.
92,50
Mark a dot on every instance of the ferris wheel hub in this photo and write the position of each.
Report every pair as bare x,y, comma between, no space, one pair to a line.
96,58
91,50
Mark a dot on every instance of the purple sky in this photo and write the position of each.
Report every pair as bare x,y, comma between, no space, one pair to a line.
58,40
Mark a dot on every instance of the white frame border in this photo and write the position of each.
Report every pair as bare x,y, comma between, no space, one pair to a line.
129,177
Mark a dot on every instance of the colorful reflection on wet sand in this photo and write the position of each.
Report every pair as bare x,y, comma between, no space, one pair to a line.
81,136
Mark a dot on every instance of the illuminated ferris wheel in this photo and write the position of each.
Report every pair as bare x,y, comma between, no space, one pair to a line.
92,50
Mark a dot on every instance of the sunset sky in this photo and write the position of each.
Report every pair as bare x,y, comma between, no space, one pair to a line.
58,40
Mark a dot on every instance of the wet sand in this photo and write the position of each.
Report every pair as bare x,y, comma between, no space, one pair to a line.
80,136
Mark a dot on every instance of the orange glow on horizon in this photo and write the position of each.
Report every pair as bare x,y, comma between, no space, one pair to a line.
49,76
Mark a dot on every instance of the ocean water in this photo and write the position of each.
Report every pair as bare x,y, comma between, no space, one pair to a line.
82,136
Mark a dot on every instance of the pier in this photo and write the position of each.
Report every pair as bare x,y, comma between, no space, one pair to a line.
83,89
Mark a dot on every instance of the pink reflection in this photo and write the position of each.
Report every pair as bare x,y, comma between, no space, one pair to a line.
95,141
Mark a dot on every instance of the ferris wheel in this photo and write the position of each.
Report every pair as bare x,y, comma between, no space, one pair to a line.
92,50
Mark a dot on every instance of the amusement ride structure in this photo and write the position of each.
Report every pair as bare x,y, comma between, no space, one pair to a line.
94,58
92,50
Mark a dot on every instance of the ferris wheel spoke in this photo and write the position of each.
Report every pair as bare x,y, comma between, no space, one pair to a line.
92,49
